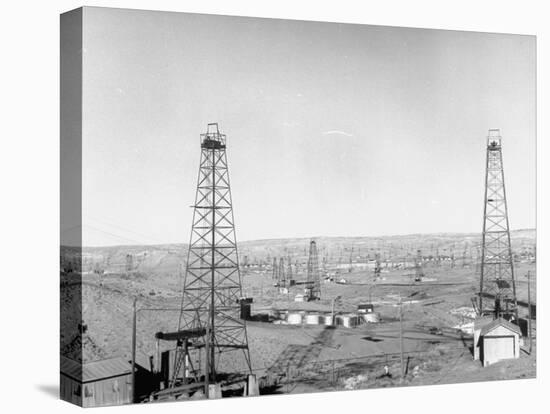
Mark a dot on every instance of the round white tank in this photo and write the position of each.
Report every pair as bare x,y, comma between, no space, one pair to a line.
346,321
372,317
312,319
294,318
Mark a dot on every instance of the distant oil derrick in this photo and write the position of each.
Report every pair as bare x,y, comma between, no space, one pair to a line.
290,274
464,254
351,260
452,257
313,282
281,277
377,266
419,271
129,263
497,295
275,270
210,320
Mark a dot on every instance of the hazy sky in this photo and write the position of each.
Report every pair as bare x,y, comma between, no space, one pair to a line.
332,129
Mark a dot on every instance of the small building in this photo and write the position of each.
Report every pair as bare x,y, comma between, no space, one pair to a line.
365,308
496,340
97,383
246,308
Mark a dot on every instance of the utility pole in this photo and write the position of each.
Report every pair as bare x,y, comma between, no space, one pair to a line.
337,298
134,321
401,337
530,314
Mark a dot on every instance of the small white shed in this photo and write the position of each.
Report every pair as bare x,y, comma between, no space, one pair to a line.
496,340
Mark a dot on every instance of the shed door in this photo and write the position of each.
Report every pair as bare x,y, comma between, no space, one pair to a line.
497,348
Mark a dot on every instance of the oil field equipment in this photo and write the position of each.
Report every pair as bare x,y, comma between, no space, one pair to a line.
210,307
497,295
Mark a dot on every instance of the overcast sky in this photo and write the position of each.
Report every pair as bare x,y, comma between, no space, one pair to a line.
332,129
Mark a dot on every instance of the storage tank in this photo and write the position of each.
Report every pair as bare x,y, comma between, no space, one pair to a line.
371,317
294,318
312,319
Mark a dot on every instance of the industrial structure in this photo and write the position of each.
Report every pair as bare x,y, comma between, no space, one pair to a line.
313,282
281,277
377,266
97,383
418,270
497,293
496,340
210,308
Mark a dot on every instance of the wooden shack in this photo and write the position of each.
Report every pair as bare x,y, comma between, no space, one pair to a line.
97,383
496,340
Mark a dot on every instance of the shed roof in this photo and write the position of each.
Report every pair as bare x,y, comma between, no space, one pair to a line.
500,322
96,370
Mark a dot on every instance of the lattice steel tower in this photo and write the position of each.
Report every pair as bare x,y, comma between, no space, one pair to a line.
313,282
212,283
497,294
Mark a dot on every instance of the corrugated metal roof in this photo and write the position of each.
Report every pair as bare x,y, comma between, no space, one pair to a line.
96,370
499,322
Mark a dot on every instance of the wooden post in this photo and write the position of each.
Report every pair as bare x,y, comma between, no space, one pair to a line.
157,352
134,394
207,358
185,358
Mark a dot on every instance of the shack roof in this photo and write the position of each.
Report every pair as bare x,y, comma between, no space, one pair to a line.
499,322
96,370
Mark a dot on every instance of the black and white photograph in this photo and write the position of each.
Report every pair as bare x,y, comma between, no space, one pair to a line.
277,208
274,207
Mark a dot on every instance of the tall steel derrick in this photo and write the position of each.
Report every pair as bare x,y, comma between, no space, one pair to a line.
497,295
212,284
313,281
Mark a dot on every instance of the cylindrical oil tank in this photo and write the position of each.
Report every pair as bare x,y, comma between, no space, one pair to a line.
372,317
294,318
312,319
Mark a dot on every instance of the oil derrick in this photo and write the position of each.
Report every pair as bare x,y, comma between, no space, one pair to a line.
350,260
452,258
212,292
290,274
275,270
464,255
377,266
313,282
129,263
497,295
419,272
281,277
